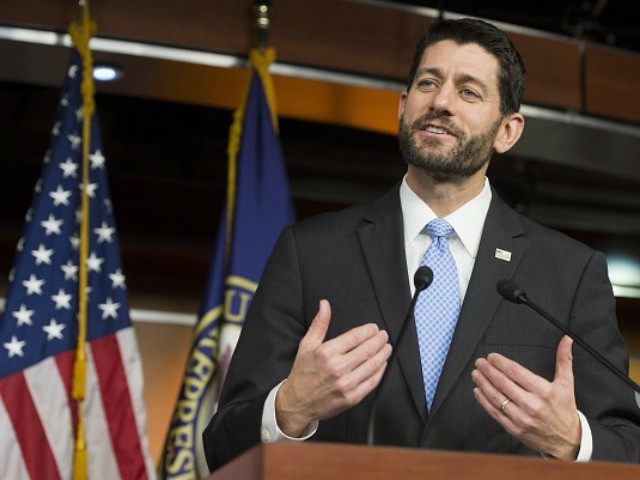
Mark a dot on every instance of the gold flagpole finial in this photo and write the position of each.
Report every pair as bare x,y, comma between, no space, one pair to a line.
262,55
261,11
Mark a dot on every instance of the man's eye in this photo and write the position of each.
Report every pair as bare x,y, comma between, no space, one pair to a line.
470,94
426,84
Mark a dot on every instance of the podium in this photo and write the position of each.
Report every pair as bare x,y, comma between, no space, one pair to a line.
330,461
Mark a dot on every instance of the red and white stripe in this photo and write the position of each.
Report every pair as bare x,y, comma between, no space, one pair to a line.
37,422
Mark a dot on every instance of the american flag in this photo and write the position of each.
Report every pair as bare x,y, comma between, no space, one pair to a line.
38,328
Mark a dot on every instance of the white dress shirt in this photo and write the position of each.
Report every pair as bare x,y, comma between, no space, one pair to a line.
467,222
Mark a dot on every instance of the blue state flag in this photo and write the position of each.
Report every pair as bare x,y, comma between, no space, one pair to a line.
257,208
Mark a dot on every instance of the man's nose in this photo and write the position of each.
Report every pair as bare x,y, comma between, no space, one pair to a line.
443,100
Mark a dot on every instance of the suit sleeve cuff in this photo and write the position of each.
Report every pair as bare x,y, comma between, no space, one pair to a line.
586,440
270,432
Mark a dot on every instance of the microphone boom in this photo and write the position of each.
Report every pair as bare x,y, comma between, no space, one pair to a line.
510,291
421,280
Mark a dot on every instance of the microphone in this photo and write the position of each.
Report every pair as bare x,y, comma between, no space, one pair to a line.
513,293
421,281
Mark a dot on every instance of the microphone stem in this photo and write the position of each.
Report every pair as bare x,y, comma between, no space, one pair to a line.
580,342
371,424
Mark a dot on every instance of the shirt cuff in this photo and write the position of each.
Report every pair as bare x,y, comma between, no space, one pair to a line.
270,432
586,440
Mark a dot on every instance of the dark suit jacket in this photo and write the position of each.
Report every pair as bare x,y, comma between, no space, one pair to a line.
356,259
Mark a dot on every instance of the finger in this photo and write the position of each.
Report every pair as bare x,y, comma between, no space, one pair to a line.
368,385
512,421
368,368
318,328
526,379
495,413
507,387
564,361
504,384
491,392
350,340
365,351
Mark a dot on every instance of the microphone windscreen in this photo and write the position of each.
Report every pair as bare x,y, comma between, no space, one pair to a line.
422,278
509,290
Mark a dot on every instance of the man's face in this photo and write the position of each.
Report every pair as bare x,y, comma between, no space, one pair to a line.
450,117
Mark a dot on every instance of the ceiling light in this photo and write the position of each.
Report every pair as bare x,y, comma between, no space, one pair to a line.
104,72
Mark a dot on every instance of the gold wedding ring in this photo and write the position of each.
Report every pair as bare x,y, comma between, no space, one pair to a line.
503,405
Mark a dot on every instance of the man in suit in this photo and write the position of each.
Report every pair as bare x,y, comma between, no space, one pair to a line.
472,371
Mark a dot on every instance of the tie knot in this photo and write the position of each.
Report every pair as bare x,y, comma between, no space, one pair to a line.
439,228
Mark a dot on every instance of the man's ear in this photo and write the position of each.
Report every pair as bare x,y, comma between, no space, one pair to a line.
509,133
401,104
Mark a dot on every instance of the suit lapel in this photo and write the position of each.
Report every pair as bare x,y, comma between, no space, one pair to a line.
502,230
382,242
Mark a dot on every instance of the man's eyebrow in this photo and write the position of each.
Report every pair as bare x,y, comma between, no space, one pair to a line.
436,72
462,78
466,78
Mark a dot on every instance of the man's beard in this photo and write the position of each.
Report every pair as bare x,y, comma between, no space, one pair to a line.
468,156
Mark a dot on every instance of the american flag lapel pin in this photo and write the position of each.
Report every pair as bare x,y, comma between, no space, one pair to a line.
503,254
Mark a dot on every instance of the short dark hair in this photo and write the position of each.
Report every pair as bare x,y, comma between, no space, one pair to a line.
511,75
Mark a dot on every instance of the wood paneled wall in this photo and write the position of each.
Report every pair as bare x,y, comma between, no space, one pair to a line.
611,87
368,39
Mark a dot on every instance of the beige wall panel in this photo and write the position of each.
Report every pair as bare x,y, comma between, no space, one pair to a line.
163,349
634,369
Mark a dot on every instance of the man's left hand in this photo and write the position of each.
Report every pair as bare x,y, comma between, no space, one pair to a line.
540,414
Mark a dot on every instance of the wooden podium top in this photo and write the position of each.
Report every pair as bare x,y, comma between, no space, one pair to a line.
329,461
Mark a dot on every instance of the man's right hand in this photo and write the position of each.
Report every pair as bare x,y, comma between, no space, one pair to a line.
329,377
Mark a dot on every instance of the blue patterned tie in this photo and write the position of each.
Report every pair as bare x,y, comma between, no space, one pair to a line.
437,309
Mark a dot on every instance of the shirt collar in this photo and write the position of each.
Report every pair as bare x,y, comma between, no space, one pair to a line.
467,221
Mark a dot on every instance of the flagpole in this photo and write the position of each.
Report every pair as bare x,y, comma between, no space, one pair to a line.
263,23
260,58
81,32
263,55
258,206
